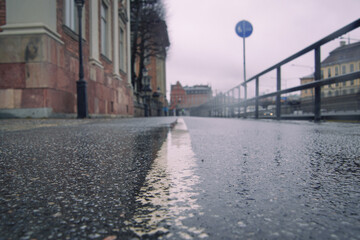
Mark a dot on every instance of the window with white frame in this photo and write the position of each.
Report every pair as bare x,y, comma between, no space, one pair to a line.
105,28
70,15
122,53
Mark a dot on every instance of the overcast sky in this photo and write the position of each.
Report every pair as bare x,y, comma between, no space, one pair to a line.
206,50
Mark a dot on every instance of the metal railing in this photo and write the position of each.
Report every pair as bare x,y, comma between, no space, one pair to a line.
217,103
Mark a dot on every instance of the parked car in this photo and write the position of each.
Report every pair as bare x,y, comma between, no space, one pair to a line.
268,113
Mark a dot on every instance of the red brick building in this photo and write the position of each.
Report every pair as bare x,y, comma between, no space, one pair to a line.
188,97
39,58
177,96
149,79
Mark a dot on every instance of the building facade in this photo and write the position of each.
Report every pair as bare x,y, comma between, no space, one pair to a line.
197,95
177,96
149,76
189,96
344,59
39,58
154,80
157,69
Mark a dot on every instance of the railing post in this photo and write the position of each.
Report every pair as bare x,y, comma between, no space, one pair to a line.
317,77
212,106
226,103
227,98
239,101
222,105
233,103
217,106
257,98
245,100
278,96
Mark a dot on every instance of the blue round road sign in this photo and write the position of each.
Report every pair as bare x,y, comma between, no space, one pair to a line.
243,29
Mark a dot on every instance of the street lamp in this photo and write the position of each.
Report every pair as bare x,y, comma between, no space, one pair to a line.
178,106
156,96
147,90
81,84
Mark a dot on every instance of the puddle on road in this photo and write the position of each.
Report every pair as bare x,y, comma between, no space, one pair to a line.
168,198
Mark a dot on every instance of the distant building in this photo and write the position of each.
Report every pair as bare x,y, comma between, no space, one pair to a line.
189,96
307,93
177,96
344,59
197,95
148,63
155,67
39,57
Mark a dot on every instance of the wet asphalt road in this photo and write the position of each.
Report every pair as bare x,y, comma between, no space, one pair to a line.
277,180
74,179
204,179
246,179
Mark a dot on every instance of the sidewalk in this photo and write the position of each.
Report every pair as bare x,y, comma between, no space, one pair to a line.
74,179
25,124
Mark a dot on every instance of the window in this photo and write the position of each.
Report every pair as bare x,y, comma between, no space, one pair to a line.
104,29
322,74
343,71
351,68
147,59
336,71
70,15
329,72
122,54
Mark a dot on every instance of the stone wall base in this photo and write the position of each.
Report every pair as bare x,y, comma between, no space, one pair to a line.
32,113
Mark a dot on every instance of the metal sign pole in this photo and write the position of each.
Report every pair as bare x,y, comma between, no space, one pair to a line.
245,87
244,29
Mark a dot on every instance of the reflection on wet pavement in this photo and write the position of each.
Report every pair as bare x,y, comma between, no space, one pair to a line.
168,197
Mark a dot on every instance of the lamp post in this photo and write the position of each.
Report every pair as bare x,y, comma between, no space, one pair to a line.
178,107
147,90
156,96
81,84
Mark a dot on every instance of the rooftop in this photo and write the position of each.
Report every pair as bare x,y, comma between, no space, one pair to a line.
343,54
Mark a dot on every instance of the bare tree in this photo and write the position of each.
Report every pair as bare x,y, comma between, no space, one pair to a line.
149,36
